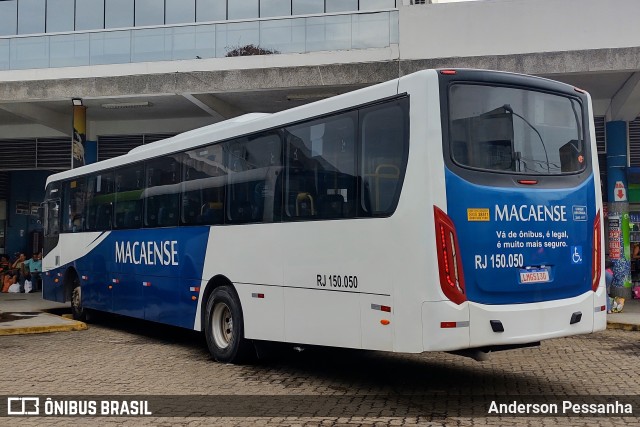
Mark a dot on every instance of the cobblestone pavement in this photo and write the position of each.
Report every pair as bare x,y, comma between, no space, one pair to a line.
123,357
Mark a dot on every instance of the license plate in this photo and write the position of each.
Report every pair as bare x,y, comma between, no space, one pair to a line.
534,275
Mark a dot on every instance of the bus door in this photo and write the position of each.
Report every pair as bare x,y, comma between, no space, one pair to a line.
51,250
52,234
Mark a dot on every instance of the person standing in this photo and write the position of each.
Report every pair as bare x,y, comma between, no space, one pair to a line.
32,270
608,276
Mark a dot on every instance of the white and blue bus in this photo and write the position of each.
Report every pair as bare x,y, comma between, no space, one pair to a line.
447,210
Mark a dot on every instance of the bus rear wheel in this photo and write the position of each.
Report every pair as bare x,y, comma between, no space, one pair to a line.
224,327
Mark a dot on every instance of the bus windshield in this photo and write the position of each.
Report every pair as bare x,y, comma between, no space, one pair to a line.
512,130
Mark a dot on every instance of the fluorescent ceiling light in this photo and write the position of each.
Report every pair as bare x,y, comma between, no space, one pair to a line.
127,105
77,102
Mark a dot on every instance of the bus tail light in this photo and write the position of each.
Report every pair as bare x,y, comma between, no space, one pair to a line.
449,259
596,254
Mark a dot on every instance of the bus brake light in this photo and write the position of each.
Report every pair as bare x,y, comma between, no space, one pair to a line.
596,254
449,259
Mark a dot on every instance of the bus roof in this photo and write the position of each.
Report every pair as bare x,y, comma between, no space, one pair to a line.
216,127
255,122
237,127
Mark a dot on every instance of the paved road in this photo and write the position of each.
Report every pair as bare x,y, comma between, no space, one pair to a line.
118,357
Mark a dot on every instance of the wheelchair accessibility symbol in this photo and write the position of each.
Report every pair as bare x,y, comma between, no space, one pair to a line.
576,254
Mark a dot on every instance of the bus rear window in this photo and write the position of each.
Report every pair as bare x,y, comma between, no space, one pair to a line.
512,130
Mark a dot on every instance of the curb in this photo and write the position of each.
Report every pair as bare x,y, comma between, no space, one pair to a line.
623,326
69,326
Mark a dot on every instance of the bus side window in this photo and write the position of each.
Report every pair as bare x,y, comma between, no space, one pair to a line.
100,196
203,186
299,190
104,217
321,168
384,156
129,183
162,194
254,164
74,201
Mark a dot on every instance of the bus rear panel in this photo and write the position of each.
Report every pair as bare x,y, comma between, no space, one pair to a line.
520,243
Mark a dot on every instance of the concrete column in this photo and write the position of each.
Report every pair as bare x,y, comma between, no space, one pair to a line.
619,250
79,135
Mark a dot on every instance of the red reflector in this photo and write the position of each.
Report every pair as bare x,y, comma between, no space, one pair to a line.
603,307
448,72
385,308
527,181
254,295
447,324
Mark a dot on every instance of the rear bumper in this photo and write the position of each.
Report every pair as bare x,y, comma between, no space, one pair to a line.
522,323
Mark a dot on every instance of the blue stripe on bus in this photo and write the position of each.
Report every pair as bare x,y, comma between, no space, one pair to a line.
169,261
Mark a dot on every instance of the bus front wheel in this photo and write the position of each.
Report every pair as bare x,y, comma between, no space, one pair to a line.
77,310
224,327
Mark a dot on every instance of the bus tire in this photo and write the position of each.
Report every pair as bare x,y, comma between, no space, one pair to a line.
77,310
224,327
